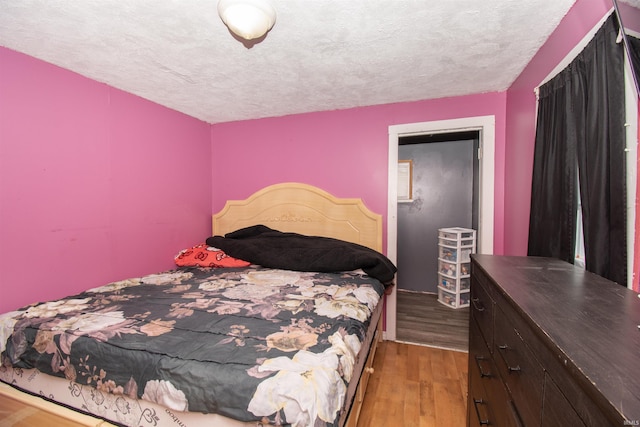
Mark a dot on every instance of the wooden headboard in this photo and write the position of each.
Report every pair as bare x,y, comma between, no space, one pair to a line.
303,209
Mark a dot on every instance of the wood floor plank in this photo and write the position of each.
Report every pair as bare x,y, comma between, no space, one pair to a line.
427,408
411,403
449,366
413,360
425,361
449,409
462,364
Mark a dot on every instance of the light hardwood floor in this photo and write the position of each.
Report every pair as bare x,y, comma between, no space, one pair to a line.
416,386
15,413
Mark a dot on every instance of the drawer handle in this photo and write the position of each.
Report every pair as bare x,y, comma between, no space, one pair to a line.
482,372
516,415
475,405
475,302
510,368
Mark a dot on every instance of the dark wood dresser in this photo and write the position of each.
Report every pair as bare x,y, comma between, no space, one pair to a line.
551,345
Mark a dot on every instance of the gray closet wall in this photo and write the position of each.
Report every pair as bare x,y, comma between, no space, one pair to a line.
444,179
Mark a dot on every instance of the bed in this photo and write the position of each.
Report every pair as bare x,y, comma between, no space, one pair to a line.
244,345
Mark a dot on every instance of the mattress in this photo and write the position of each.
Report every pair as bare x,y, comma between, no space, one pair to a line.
252,345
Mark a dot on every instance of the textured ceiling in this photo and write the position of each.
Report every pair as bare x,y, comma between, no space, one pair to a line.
320,55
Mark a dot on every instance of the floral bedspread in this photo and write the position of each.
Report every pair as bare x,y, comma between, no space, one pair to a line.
275,346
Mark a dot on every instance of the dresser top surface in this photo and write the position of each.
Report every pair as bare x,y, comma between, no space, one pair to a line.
592,321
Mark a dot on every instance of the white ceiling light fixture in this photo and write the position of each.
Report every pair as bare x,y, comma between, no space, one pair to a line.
248,19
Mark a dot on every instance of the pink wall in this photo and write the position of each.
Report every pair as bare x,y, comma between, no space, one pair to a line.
344,152
89,175
630,16
521,110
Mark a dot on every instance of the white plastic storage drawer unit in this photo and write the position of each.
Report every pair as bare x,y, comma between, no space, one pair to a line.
455,246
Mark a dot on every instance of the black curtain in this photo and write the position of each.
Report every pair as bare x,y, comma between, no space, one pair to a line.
579,147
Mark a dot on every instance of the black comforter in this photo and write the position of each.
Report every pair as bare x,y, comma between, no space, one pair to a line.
262,245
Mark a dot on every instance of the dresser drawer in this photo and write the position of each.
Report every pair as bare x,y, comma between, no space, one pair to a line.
479,408
487,395
482,404
521,372
556,409
482,308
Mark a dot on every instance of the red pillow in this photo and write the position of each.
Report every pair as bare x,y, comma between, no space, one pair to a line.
203,255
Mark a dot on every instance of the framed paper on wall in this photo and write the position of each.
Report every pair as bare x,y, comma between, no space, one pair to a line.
405,180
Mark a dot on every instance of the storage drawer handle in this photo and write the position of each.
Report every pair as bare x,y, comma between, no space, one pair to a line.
510,368
475,405
514,412
482,372
475,302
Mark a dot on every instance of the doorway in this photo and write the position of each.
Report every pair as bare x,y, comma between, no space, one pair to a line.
444,194
485,126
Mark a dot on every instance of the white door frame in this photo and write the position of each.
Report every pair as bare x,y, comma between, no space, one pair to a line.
486,153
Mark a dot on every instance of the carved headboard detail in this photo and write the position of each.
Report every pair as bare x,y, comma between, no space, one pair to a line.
305,209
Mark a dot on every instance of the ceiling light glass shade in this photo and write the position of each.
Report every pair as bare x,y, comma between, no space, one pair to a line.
249,19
